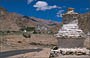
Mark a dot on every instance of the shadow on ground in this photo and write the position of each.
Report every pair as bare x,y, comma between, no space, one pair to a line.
17,52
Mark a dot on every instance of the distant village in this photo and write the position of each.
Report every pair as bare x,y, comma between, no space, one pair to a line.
39,28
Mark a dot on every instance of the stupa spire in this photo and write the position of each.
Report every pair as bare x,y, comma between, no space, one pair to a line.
71,11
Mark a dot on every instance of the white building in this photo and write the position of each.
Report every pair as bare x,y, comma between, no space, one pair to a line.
70,30
70,35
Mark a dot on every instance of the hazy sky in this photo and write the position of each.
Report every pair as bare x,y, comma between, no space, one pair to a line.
45,9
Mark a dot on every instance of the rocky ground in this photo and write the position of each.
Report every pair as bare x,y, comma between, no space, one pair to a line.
17,46
38,46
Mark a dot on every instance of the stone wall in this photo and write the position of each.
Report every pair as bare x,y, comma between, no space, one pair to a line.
70,42
87,43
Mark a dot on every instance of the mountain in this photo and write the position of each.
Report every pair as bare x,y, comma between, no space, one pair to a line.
84,22
14,22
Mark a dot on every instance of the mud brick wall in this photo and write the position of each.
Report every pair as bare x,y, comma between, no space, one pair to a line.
70,42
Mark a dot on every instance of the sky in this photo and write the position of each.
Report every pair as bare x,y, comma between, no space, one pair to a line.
45,9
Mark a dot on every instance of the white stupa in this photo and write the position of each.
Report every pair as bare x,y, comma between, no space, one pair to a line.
70,35
70,30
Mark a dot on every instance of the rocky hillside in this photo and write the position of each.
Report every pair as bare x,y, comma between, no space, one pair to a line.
13,22
84,22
